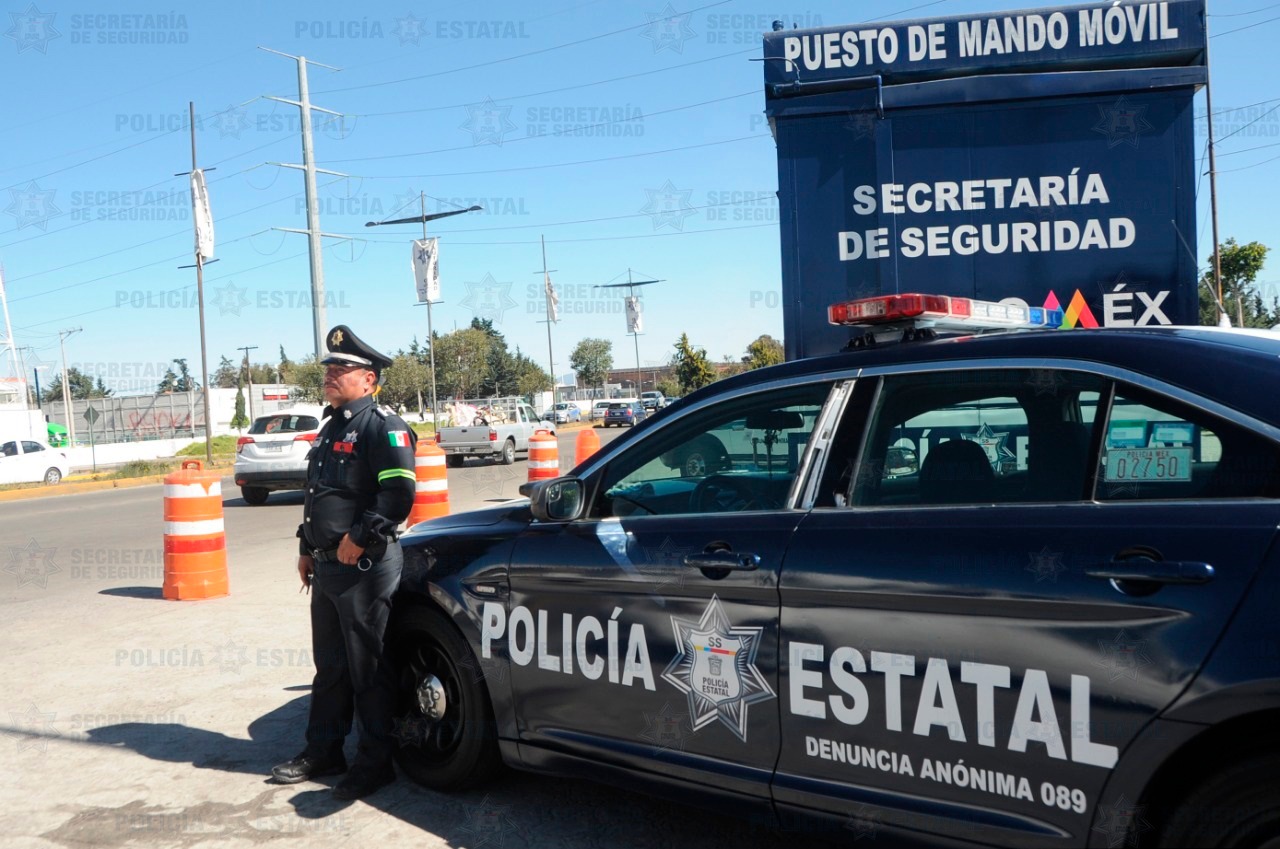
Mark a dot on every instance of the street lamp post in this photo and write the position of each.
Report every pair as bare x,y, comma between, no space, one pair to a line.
431,342
630,286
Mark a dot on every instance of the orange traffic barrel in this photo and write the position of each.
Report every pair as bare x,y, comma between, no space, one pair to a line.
195,541
431,490
544,456
588,443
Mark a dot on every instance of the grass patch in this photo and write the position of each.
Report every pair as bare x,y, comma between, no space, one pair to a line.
221,445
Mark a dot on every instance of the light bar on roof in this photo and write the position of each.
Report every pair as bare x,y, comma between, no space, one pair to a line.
940,312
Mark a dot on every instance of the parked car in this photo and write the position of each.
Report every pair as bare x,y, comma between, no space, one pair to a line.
564,413
1002,590
652,400
30,461
272,456
598,409
624,413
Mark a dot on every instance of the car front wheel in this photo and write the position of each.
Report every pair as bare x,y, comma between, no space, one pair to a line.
255,496
444,727
52,476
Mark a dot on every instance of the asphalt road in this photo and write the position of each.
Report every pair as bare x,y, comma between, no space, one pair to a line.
128,720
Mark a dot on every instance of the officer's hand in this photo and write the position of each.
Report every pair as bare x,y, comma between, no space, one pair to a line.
348,551
306,567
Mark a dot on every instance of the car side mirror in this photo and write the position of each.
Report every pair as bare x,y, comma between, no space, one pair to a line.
556,500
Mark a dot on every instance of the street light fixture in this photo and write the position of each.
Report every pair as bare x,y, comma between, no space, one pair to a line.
431,342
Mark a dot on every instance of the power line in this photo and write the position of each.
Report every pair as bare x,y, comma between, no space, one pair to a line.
492,62
1243,28
528,138
562,88
567,164
170,291
1243,14
705,231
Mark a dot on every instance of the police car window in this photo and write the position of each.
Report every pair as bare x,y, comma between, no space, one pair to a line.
742,454
1158,449
978,437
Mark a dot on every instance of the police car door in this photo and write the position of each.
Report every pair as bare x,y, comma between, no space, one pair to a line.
989,602
645,635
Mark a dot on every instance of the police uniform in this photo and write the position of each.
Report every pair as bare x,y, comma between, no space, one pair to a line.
360,482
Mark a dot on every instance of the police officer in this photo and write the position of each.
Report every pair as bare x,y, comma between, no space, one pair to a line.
360,487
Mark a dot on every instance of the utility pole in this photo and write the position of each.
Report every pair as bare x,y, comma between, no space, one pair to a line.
248,375
551,318
1213,174
204,241
66,394
13,350
308,167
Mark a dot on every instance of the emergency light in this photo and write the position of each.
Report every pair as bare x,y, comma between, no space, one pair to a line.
939,312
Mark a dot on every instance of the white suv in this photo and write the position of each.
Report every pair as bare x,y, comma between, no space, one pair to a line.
273,454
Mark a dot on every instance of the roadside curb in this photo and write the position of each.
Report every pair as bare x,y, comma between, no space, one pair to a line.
86,486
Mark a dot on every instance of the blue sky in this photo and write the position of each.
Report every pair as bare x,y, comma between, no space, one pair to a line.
629,134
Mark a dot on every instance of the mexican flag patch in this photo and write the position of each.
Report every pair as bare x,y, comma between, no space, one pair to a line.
398,438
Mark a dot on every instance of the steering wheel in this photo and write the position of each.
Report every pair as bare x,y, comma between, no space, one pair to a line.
724,494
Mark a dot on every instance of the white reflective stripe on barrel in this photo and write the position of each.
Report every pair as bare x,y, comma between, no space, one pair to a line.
193,490
193,529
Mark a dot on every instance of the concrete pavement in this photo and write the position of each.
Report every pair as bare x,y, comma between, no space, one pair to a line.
131,721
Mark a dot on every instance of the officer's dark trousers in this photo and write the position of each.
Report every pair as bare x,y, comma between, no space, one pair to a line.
349,612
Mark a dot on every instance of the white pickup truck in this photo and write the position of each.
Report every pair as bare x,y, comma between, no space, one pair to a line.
501,441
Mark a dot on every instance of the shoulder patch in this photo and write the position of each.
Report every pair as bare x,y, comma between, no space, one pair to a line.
398,438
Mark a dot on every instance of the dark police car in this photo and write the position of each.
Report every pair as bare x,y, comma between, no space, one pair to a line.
1015,589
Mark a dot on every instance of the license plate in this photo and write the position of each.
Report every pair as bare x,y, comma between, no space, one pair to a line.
462,451
272,447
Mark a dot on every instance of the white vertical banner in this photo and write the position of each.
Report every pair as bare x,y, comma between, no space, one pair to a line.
201,214
553,300
635,317
426,269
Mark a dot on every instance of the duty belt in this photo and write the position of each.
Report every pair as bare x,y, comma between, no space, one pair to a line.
364,564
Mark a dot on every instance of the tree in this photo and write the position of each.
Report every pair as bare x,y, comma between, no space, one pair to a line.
285,368
79,386
592,359
308,377
693,370
403,380
765,351
530,377
179,381
226,375
239,420
1244,303
462,362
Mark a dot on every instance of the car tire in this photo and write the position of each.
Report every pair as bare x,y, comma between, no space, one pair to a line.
454,461
460,748
508,455
255,496
1232,807
52,476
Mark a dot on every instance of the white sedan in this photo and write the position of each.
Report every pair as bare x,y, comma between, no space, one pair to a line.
32,461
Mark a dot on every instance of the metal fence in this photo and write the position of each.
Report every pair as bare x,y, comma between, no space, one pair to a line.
133,418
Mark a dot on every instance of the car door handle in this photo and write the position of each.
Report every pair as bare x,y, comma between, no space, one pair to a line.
723,560
1155,571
